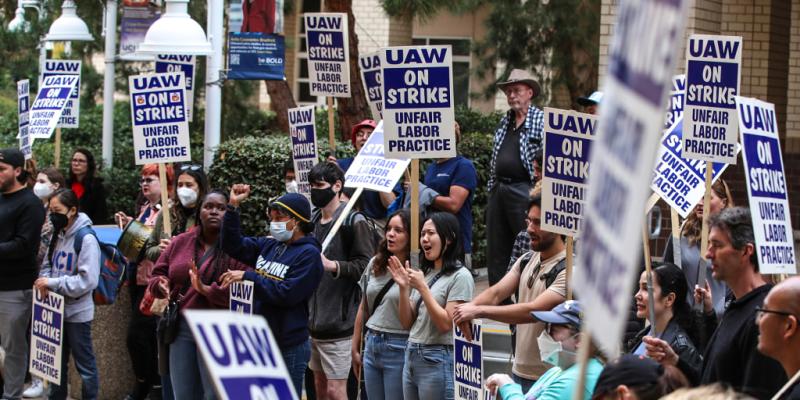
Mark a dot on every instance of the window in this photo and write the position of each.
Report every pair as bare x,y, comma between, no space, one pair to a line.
302,88
461,61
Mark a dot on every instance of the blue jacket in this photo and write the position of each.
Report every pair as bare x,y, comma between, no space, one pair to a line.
285,278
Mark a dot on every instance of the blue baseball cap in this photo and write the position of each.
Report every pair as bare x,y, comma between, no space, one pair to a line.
566,313
591,100
294,204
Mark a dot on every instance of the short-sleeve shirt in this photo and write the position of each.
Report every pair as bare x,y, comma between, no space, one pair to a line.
385,316
457,171
455,286
527,361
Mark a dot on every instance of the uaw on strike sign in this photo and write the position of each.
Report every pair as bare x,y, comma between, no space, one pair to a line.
241,355
713,67
158,112
50,103
568,137
328,54
417,85
47,336
766,187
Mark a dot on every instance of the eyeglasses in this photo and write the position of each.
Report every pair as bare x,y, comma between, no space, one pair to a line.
193,167
760,311
529,222
78,161
147,181
517,91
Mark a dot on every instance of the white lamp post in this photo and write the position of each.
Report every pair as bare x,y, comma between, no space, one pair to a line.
68,27
176,33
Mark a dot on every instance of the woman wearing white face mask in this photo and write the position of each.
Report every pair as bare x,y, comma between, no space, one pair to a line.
288,269
558,346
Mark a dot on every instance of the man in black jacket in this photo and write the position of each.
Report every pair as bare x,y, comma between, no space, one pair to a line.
731,356
21,219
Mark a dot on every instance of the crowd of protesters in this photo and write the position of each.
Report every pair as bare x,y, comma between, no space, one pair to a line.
356,317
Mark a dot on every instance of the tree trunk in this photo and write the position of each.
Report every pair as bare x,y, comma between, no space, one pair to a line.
354,109
282,100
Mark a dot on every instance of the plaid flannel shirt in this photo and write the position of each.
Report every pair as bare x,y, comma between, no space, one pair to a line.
530,142
522,245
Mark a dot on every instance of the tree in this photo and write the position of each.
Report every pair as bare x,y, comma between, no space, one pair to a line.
558,40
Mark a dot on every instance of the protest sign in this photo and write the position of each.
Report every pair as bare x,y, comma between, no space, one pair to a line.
255,56
370,65
766,186
180,63
328,54
47,336
241,355
371,170
241,297
713,69
160,129
23,116
69,118
676,99
50,102
568,137
417,88
622,157
468,363
132,29
304,145
677,180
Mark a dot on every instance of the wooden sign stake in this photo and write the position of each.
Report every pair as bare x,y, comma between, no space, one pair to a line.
165,215
331,128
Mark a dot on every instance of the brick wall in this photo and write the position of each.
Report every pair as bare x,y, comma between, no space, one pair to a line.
792,143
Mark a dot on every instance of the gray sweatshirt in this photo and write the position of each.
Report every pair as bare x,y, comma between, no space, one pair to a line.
74,276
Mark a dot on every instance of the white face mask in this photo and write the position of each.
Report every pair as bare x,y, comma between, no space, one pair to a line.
187,196
279,232
42,190
291,186
552,352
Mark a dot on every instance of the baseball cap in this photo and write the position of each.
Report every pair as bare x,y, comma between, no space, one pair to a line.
295,204
629,370
367,122
12,157
591,100
566,313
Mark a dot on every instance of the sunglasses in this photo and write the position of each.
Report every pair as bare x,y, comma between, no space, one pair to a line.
193,167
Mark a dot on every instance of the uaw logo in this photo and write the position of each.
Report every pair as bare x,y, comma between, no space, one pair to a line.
140,99
175,97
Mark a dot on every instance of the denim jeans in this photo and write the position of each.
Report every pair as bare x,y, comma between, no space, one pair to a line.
296,360
190,379
525,383
384,356
428,372
15,312
78,343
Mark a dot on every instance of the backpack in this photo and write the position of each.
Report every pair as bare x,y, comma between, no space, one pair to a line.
376,232
548,277
112,268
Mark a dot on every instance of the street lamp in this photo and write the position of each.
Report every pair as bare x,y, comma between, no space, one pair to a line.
68,27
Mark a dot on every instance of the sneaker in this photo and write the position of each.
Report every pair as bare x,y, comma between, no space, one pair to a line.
36,389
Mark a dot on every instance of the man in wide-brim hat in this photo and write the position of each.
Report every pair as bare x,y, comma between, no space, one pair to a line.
516,140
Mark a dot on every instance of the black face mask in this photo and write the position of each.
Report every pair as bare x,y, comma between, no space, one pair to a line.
59,221
321,197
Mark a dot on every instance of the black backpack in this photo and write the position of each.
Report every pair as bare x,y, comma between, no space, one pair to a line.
548,277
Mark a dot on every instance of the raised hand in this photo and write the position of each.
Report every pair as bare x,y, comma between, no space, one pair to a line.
398,271
704,295
239,192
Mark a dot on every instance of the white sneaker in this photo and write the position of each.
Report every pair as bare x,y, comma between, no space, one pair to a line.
35,390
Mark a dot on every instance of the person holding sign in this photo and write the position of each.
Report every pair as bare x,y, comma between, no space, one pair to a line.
691,261
539,280
335,302
72,269
288,269
673,316
516,139
189,273
441,285
21,218
83,180
731,356
385,339
778,331
558,346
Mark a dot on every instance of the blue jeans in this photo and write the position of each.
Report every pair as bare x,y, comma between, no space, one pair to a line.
190,379
78,343
428,372
296,360
384,356
525,383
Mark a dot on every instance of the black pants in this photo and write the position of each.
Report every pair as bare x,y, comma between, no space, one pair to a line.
505,217
141,340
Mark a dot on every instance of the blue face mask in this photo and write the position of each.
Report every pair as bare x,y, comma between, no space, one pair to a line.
279,232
